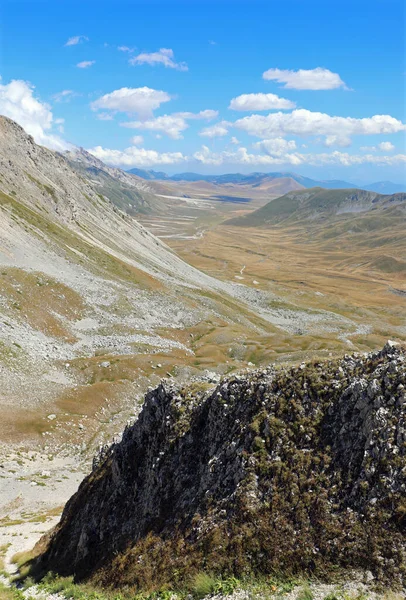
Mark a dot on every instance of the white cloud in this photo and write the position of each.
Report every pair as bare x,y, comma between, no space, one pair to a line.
306,123
311,79
337,140
105,116
386,146
171,125
345,159
64,96
136,157
260,102
76,39
164,56
275,146
383,146
60,122
207,114
85,64
137,140
235,141
125,49
244,157
141,101
17,102
207,157
239,156
218,130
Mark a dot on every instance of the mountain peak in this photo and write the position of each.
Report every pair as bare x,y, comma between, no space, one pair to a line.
12,132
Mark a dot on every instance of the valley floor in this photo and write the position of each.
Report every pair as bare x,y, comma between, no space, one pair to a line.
322,300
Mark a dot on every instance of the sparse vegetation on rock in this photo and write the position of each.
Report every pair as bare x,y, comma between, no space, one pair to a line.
295,470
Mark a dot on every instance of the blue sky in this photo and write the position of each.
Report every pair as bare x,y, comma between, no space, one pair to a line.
315,87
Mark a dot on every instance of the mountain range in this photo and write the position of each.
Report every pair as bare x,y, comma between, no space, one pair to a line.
259,179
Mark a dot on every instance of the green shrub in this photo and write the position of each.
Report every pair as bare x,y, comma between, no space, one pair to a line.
203,585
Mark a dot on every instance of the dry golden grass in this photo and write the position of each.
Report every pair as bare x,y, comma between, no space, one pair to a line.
19,424
309,273
310,269
39,299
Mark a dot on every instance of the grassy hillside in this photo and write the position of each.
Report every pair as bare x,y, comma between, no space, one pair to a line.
318,204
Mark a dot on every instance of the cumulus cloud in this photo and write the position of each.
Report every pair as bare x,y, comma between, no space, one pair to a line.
383,146
85,64
260,102
306,123
171,125
76,39
164,56
207,157
306,79
64,96
141,101
386,146
275,146
218,130
242,156
235,141
276,157
337,140
137,140
136,157
17,101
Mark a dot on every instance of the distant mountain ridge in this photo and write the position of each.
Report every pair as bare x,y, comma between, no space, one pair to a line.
257,179
149,174
318,204
385,187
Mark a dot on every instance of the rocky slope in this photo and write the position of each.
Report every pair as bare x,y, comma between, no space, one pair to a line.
81,279
78,278
290,470
128,192
44,182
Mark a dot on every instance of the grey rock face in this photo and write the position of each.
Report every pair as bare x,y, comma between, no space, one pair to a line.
301,469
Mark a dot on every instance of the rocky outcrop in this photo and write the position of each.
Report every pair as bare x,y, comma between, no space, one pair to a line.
296,469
